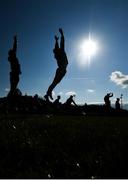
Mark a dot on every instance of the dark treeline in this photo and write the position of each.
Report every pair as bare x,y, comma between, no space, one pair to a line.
35,104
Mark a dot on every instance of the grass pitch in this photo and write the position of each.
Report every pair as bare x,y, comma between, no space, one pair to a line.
47,146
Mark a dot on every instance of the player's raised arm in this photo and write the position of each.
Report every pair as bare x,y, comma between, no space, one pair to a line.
15,43
111,94
62,42
56,43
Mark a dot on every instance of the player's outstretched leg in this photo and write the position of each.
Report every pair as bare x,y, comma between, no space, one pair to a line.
60,73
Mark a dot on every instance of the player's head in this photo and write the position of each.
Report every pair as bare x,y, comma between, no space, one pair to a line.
58,97
57,52
71,96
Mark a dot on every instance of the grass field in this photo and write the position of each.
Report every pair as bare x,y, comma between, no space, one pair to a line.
47,146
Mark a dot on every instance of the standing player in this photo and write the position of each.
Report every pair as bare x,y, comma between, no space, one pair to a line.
15,68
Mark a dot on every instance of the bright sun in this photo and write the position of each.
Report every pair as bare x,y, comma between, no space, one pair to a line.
88,49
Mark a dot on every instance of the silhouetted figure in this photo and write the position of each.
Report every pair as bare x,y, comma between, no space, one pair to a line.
117,104
15,68
47,99
70,101
85,107
57,101
107,100
62,62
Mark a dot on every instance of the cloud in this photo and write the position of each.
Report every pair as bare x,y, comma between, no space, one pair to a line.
119,79
7,89
90,90
60,93
69,93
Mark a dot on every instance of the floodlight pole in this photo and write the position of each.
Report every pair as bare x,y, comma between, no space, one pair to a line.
121,97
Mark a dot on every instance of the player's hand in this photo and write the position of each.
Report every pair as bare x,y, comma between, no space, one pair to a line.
61,31
56,38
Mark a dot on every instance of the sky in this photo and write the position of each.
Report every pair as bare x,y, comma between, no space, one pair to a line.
35,22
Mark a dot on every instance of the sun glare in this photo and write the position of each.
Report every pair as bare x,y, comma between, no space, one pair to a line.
88,49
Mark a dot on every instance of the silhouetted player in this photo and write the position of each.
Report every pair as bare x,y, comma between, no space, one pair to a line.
15,68
69,101
62,62
107,100
117,104
57,101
